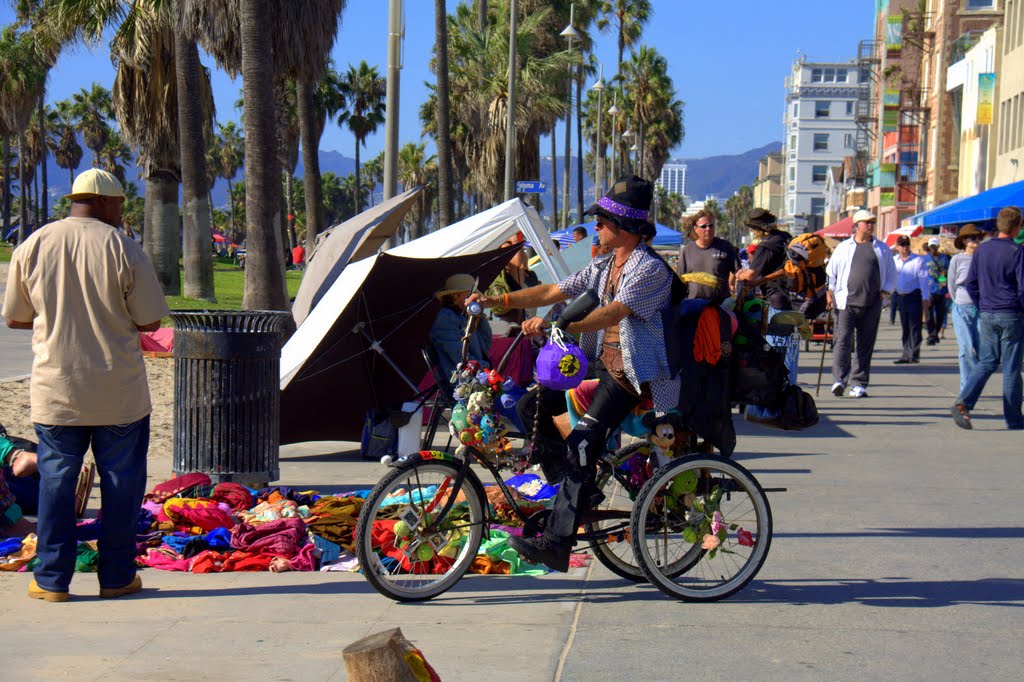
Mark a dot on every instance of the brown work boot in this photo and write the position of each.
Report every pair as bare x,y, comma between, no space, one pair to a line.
131,588
36,592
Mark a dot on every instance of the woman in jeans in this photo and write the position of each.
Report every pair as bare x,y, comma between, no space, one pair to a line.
965,312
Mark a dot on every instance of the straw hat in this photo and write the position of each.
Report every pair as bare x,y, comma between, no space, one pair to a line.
864,216
95,183
456,284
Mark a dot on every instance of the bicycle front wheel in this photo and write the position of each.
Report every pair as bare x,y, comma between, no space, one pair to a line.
405,551
708,514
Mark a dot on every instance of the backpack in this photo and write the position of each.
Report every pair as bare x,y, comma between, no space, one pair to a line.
380,436
805,266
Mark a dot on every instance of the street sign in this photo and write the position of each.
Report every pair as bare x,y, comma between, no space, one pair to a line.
530,186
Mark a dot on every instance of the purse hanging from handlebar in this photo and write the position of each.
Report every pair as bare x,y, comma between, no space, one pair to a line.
561,364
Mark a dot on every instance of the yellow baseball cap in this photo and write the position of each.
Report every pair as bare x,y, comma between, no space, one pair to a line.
95,183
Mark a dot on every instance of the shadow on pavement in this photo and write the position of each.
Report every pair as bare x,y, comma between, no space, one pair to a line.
825,428
897,592
985,533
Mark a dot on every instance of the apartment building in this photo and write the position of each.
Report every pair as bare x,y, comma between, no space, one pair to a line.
673,178
1009,133
768,186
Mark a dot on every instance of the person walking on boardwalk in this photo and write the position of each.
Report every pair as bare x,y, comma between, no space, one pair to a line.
914,294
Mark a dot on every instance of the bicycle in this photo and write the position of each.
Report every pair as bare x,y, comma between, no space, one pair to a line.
698,528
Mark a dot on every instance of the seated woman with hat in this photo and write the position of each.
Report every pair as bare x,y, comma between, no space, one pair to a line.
450,325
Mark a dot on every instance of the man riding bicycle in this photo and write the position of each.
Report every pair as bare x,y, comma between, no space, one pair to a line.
625,342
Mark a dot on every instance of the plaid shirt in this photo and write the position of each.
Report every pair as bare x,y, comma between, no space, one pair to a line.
645,286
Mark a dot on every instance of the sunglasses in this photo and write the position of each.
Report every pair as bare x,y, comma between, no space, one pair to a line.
708,226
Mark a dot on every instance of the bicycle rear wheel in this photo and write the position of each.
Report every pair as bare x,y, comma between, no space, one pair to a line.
405,551
610,539
708,514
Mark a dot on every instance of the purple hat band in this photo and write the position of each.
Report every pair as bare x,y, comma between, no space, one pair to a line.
622,210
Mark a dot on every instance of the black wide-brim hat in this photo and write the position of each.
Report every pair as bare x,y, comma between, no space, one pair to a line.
628,205
968,230
761,219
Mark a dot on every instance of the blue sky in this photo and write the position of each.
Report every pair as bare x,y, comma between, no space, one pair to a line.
728,59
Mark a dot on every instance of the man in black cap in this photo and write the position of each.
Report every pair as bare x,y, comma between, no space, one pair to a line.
625,342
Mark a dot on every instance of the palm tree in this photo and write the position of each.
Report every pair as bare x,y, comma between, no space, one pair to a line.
66,151
627,18
444,140
114,155
335,201
93,109
415,168
327,102
194,129
736,208
364,91
230,155
657,114
480,105
25,60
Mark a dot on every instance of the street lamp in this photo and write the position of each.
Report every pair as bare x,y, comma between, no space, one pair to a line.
599,156
626,137
614,111
570,34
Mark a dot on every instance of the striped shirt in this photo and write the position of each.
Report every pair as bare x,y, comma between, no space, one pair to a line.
645,287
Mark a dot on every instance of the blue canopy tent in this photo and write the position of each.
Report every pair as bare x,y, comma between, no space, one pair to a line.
665,236
981,209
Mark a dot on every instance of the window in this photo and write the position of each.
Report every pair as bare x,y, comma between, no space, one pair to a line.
792,206
821,142
849,108
848,141
815,75
792,173
796,109
841,75
818,173
865,75
830,75
980,4
818,206
821,109
792,143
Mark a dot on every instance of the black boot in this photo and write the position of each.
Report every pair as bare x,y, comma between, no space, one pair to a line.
547,550
550,455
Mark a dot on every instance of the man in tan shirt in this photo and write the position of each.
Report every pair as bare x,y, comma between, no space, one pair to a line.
86,290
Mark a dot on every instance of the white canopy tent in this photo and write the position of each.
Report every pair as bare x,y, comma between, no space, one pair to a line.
476,234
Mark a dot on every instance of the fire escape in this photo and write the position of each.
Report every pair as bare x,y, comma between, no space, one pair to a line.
864,112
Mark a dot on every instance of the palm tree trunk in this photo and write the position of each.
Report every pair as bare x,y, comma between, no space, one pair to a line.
310,163
231,208
264,268
444,136
622,46
355,198
579,146
23,191
36,203
567,162
289,197
198,259
554,181
162,239
7,184
42,170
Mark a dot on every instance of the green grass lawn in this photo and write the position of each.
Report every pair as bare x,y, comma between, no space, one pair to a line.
5,254
228,285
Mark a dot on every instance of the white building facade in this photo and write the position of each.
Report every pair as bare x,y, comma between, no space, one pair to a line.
820,131
673,178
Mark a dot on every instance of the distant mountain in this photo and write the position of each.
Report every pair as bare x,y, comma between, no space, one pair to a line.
723,175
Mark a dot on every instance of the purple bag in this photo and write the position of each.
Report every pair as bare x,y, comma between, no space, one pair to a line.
561,364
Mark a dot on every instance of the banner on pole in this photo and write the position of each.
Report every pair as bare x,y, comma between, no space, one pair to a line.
986,98
894,32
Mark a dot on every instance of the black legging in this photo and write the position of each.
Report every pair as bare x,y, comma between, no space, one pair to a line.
936,316
610,404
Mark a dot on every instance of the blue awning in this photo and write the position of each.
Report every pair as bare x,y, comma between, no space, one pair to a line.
664,237
979,209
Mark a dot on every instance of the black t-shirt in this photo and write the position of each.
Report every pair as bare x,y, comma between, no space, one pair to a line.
720,259
769,257
865,282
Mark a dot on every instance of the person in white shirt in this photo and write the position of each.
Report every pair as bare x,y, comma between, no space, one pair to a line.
861,274
915,294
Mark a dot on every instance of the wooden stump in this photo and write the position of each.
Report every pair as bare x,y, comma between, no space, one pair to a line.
381,657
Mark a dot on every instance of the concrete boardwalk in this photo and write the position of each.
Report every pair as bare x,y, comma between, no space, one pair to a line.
897,555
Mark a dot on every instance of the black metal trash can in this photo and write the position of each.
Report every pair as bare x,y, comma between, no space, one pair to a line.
227,403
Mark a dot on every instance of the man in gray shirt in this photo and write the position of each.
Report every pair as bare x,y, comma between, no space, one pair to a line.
711,254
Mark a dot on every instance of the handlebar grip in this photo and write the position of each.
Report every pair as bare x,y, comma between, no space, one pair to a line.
474,309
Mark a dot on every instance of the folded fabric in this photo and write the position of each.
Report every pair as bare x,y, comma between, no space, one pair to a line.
270,511
347,561
282,537
164,559
234,495
707,342
197,516
305,560
86,558
171,488
26,553
335,518
273,494
9,546
497,549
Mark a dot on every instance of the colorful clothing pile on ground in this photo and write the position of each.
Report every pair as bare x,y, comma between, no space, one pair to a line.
190,524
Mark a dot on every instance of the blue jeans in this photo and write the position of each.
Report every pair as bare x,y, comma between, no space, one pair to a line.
999,340
965,324
120,453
